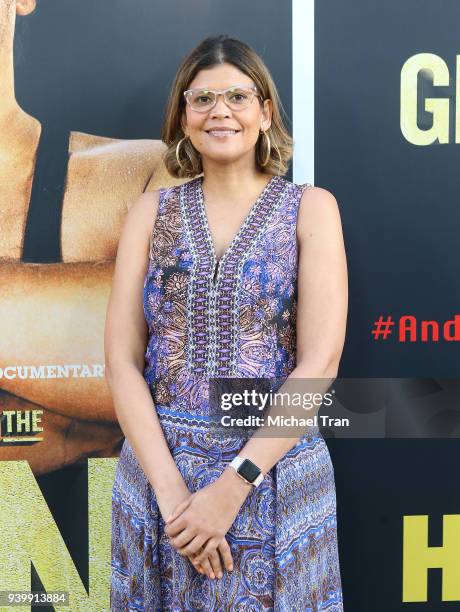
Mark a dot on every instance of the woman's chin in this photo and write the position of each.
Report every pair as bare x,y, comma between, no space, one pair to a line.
221,156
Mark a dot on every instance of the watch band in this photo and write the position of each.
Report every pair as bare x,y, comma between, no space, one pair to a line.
245,468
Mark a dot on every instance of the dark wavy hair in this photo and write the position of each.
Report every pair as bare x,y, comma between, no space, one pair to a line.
211,52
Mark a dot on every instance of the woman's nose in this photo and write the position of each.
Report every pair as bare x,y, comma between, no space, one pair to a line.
220,107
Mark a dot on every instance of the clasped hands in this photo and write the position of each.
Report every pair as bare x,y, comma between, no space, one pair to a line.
198,525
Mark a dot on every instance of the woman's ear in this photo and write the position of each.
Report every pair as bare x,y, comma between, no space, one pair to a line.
25,7
183,123
267,115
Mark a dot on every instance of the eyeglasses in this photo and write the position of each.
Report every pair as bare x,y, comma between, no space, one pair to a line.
237,97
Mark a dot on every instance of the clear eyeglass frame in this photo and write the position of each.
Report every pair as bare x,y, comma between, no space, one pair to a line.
250,90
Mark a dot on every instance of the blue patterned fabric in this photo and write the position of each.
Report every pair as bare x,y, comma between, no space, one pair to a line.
229,318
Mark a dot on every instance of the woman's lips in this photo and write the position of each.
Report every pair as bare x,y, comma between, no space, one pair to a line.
222,133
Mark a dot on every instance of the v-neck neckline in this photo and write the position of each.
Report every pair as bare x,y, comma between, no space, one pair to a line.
246,221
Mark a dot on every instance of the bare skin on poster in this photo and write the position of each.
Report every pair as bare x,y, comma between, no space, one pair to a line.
55,313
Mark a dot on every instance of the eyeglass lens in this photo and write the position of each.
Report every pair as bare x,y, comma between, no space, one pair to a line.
236,98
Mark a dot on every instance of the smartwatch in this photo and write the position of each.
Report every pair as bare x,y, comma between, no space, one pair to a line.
247,470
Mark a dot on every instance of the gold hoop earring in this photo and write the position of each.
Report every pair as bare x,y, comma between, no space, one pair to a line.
181,166
269,146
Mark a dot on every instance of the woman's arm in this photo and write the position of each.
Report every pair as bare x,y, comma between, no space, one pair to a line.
125,340
321,322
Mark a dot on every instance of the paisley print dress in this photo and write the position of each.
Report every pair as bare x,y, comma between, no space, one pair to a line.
229,318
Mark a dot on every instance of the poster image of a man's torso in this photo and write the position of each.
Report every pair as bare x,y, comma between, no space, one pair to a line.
64,195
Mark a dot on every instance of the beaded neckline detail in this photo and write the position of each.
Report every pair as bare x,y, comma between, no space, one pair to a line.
212,299
217,263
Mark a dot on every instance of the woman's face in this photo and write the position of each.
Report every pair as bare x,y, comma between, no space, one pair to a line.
248,122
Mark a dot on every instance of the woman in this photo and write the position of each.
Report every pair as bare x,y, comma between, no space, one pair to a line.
243,274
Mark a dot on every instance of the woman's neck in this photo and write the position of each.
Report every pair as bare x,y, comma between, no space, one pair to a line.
228,182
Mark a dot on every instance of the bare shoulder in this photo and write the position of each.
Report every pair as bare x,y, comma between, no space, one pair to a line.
125,335
143,211
318,213
133,246
145,203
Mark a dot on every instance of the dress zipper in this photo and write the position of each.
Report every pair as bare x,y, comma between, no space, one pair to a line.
213,315
216,272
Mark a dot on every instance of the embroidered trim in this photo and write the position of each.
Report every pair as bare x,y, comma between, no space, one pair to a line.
227,319
214,326
200,283
213,306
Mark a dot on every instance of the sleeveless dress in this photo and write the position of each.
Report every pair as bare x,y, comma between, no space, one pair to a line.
232,318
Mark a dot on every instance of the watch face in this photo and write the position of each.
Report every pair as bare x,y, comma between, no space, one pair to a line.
248,470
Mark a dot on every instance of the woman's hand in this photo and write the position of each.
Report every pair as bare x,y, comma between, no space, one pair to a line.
167,502
198,525
211,562
176,496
